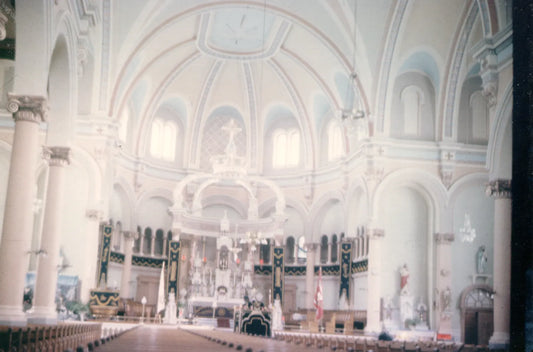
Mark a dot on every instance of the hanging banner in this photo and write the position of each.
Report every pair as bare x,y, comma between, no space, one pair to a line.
346,270
105,252
173,265
277,273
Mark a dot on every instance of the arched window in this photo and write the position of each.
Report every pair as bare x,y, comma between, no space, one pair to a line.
265,253
324,249
155,141
412,99
302,253
169,238
163,139
334,141
147,243
123,125
480,123
286,148
117,236
158,244
334,248
289,248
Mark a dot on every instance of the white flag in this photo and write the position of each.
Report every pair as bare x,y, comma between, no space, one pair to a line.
161,292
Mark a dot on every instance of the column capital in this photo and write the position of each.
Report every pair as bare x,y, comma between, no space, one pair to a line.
376,233
312,246
94,214
57,156
130,235
444,238
499,188
27,107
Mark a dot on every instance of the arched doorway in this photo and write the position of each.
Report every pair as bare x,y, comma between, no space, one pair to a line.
476,314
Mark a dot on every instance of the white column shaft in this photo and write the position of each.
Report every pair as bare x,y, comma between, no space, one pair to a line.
18,222
126,269
310,277
88,279
374,285
44,307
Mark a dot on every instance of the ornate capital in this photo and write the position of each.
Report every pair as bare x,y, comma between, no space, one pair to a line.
27,107
444,238
130,235
489,75
311,246
376,233
57,156
499,189
94,214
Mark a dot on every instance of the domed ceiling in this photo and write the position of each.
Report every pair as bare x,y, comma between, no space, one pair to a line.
264,64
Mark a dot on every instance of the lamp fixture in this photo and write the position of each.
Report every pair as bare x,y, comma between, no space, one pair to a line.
467,232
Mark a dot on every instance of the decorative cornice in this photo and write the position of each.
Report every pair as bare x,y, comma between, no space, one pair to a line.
57,156
499,189
444,238
31,108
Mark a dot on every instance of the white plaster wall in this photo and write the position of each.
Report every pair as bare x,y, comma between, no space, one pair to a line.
404,215
333,221
153,213
359,291
471,200
74,238
294,226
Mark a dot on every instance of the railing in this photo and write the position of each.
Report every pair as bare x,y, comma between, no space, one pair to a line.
49,338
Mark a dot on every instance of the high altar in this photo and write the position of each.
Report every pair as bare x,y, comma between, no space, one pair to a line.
219,269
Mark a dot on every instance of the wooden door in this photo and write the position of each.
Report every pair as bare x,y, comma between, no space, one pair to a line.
485,327
471,327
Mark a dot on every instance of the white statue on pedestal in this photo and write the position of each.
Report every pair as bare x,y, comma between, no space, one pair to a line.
277,316
170,310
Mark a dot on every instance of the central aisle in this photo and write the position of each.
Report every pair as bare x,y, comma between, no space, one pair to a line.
159,338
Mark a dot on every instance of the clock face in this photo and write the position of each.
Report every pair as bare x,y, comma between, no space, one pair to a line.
243,30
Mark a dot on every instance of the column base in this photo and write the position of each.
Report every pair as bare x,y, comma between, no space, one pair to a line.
12,316
499,340
43,316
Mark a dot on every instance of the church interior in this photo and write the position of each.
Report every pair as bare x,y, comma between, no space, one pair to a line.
334,167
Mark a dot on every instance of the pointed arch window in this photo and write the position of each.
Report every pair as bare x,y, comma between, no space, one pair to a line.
286,148
163,139
334,141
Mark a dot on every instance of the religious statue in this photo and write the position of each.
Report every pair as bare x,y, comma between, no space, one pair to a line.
481,260
404,277
446,299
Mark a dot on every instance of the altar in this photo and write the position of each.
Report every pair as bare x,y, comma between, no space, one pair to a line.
209,307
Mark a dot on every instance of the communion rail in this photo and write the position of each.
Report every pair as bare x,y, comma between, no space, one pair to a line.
56,338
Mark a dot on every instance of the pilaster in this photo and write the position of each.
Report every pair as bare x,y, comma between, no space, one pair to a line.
376,237
442,299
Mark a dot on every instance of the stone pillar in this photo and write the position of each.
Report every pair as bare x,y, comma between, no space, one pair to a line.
28,112
310,275
329,253
373,325
129,239
442,299
44,306
88,278
141,244
164,245
501,191
152,243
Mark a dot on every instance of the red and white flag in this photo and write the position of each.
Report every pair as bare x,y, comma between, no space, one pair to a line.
319,298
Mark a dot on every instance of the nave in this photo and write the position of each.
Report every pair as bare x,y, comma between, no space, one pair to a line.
155,338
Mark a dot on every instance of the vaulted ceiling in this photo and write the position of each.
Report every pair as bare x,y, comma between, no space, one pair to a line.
269,62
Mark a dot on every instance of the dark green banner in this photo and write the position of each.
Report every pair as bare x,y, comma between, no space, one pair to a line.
173,267
277,273
105,252
346,269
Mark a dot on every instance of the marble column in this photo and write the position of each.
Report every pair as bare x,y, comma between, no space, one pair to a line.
501,191
152,243
92,233
310,275
442,299
373,325
28,112
129,239
44,306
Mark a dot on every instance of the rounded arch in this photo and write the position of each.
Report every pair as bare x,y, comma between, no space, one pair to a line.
226,201
321,209
429,186
121,203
